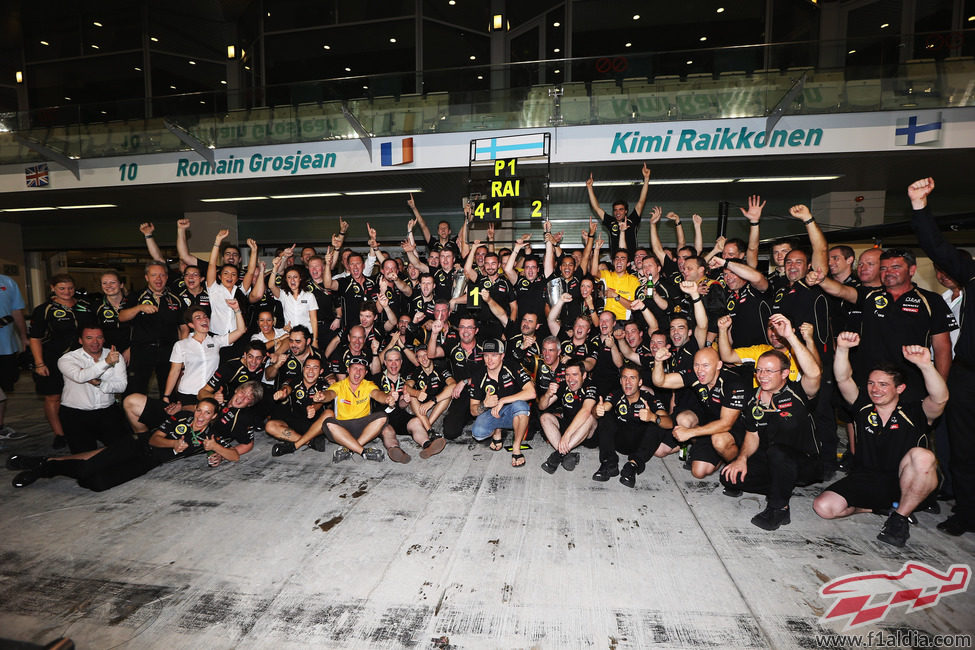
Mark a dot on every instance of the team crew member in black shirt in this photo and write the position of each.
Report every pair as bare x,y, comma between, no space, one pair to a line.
622,228
295,409
117,334
713,422
462,353
529,287
961,380
491,282
288,366
567,417
193,292
156,315
443,241
499,400
630,421
101,469
780,449
431,395
354,289
234,372
55,326
746,294
892,462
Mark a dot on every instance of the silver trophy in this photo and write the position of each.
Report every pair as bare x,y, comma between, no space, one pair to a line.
460,285
554,291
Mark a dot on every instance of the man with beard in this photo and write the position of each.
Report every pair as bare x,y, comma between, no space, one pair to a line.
295,409
491,283
288,367
499,396
463,354
567,418
529,287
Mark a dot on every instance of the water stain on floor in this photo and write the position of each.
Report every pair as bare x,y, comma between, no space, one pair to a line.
328,525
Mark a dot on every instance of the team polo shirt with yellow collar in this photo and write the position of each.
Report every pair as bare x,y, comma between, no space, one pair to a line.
232,373
625,285
303,395
728,392
116,332
353,295
568,402
545,375
587,349
783,421
430,382
749,309
160,328
801,303
511,379
58,326
462,363
881,445
628,412
352,404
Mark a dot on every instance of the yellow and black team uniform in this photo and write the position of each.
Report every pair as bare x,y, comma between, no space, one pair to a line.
116,332
873,480
788,453
621,430
728,392
58,327
293,410
291,371
153,336
353,295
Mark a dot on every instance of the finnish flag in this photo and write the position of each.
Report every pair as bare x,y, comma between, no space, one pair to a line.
911,130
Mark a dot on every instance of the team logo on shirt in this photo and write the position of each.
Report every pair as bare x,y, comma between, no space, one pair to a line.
702,392
525,283
487,284
459,355
243,379
677,309
108,313
180,429
758,412
779,295
489,390
569,398
731,305
873,419
292,365
422,384
880,302
60,313
621,408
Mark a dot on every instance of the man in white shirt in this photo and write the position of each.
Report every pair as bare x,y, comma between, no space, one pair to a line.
93,375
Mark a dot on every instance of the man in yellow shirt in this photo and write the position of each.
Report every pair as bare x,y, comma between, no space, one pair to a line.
621,285
351,424
782,337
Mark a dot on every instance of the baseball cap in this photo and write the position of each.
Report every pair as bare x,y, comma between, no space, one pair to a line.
493,345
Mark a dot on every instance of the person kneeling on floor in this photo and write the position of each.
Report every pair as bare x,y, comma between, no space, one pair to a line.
892,464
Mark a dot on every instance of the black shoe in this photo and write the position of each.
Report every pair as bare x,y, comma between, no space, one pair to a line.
732,492
606,471
772,518
845,463
60,442
22,461
570,460
628,475
932,507
552,462
896,530
318,443
26,478
283,448
955,527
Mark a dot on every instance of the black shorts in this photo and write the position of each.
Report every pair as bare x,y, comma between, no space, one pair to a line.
299,422
354,427
53,384
9,371
873,490
704,451
398,419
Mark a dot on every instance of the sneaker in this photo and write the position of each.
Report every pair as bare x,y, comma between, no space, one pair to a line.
771,518
341,454
955,526
397,455
896,530
60,442
606,471
283,448
552,462
373,453
570,460
23,461
318,443
432,447
6,433
731,492
628,475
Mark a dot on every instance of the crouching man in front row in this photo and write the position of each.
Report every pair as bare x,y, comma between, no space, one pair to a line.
893,463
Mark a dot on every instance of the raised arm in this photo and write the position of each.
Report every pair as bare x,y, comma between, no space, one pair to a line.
642,201
151,245
700,313
698,234
241,326
462,244
509,266
832,287
593,203
214,264
842,370
754,215
669,380
934,404
548,263
820,256
327,281
594,260
746,272
726,352
419,219
469,272
812,373
947,257
555,312
655,246
182,225
257,284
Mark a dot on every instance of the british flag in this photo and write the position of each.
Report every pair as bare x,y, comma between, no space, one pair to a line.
37,176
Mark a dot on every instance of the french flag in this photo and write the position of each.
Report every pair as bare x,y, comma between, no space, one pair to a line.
396,153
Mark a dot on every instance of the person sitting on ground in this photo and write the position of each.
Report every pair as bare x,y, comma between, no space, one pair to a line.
499,395
350,423
893,463
296,409
435,389
567,418
631,421
780,449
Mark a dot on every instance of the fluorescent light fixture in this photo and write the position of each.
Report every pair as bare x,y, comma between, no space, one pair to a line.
699,181
48,207
231,52
19,76
44,43
83,207
402,191
234,198
191,62
97,24
497,21
305,196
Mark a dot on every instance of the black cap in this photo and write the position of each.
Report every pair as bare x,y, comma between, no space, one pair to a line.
493,345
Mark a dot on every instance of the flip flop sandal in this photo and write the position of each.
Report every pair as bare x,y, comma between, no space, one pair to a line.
515,458
497,444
